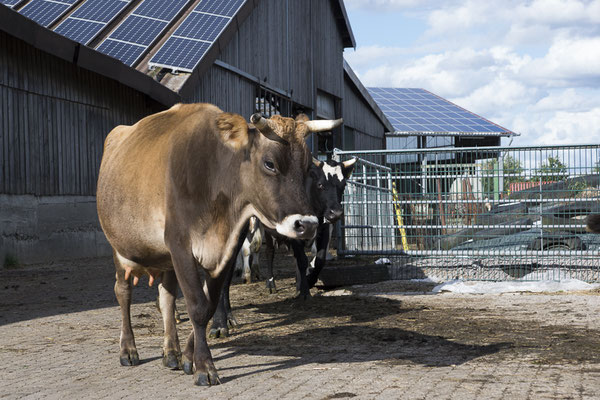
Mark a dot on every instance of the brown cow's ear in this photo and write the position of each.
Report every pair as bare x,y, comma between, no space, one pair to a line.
348,167
233,129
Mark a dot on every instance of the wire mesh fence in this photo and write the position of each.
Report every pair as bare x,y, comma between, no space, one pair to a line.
488,213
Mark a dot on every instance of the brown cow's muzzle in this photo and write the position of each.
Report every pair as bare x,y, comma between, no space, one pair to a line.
298,226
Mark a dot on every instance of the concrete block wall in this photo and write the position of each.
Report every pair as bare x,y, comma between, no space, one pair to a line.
50,228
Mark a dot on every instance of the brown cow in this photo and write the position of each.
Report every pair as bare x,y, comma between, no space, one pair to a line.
175,192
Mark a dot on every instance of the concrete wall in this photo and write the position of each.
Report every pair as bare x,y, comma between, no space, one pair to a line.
50,228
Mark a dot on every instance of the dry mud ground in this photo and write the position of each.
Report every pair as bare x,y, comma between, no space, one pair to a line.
59,332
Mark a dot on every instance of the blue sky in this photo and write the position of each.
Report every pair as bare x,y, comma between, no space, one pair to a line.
531,66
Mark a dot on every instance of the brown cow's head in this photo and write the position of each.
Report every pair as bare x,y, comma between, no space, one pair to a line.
274,171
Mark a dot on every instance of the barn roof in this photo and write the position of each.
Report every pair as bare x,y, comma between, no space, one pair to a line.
418,112
151,36
41,38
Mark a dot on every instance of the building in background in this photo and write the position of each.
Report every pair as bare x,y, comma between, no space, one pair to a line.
72,70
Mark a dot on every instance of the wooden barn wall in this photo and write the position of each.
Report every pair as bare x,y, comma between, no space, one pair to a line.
226,90
54,117
368,129
294,44
327,47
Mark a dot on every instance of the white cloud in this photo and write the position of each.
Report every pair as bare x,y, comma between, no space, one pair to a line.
572,127
532,66
566,100
383,4
569,61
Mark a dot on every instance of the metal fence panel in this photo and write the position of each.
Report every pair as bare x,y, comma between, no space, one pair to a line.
491,213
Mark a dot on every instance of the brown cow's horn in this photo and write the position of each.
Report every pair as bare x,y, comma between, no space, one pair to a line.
258,121
323,125
264,126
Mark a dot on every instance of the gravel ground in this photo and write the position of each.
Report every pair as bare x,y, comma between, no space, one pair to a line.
59,332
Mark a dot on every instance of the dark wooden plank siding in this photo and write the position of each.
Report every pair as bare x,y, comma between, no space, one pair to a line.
327,48
226,90
368,129
54,117
295,45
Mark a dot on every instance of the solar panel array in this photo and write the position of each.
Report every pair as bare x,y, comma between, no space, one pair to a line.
89,19
9,3
192,39
83,21
140,29
419,111
45,12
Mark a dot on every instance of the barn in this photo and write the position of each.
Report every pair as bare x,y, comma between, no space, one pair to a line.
71,70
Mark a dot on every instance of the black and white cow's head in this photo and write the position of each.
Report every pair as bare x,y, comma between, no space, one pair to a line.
325,186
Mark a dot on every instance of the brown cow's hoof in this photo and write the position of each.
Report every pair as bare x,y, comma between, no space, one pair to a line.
188,367
216,333
172,360
231,321
206,379
129,358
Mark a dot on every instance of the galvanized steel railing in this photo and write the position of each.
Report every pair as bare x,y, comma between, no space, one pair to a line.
482,213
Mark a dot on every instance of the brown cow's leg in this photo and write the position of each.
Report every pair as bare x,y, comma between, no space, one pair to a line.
201,300
128,354
167,294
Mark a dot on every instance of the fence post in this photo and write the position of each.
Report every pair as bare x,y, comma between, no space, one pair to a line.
392,231
379,230
365,217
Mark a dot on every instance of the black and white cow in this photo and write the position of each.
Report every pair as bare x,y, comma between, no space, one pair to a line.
325,186
247,260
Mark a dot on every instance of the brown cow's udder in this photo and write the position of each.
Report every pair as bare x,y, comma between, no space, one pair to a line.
138,273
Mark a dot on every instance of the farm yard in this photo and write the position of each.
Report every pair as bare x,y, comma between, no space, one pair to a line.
60,328
437,192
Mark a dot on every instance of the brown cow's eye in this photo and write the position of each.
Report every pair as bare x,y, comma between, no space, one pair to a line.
270,166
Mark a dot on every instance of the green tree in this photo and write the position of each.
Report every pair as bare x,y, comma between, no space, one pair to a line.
551,170
511,170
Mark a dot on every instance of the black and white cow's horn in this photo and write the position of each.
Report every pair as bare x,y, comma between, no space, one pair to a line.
317,163
323,125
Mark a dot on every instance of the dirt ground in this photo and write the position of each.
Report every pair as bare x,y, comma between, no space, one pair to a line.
59,332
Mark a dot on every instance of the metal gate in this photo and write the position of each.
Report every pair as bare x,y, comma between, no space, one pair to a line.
488,213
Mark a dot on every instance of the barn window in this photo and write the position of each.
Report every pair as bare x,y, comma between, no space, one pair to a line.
270,103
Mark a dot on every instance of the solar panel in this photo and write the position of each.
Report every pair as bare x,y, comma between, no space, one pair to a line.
226,8
9,3
192,39
89,19
79,30
140,29
126,52
45,12
419,111
100,10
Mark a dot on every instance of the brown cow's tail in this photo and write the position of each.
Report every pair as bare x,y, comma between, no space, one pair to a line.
593,223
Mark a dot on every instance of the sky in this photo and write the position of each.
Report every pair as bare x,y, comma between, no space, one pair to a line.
532,67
